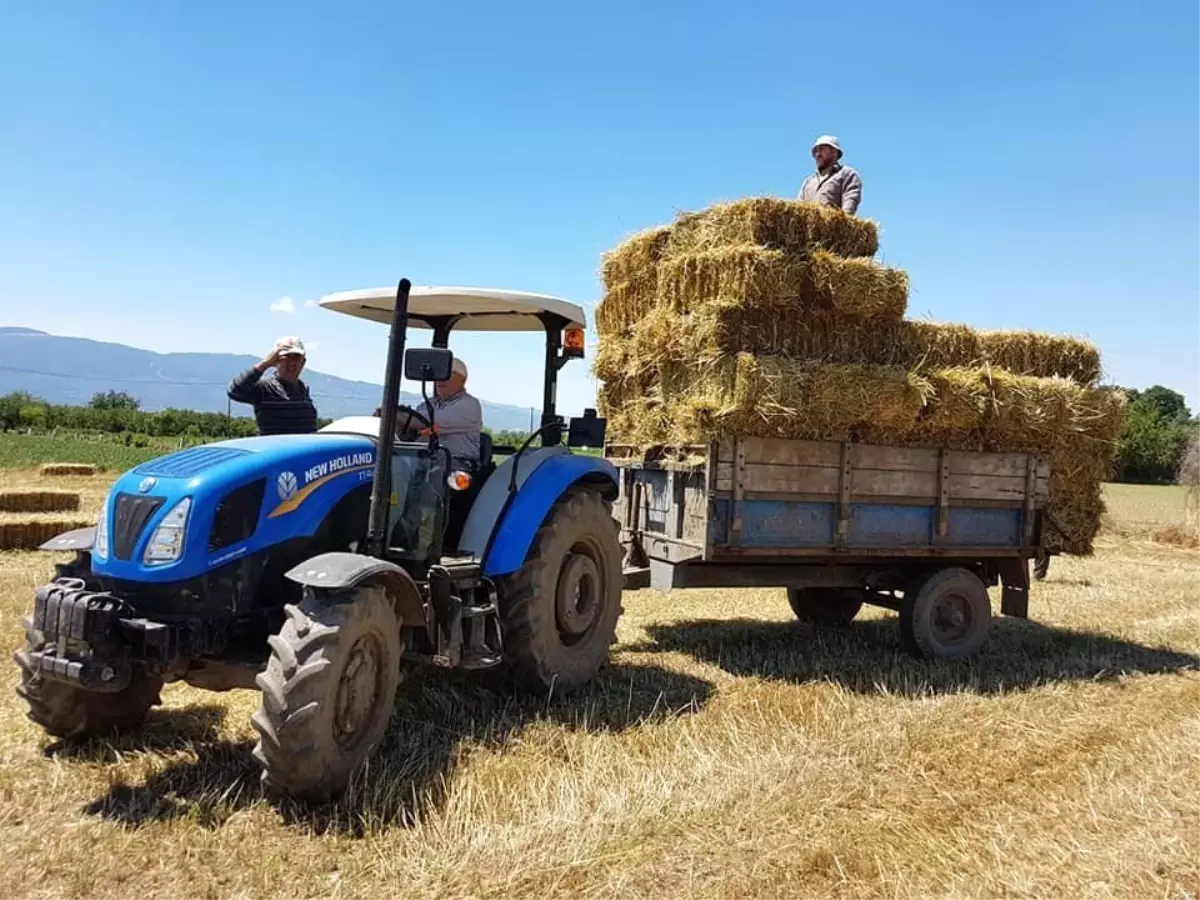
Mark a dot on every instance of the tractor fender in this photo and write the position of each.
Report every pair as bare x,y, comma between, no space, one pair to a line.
79,539
527,510
338,570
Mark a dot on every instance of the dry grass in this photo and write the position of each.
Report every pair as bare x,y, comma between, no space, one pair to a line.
38,501
55,469
727,751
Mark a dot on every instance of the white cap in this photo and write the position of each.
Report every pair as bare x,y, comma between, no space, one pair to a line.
290,346
830,140
459,366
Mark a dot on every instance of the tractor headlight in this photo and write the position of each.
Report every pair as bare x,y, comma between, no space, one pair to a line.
100,545
167,541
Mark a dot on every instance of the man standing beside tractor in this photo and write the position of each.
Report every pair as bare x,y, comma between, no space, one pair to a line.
833,184
282,403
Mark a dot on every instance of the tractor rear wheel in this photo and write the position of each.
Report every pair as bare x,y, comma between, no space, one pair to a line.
328,691
559,611
68,712
825,606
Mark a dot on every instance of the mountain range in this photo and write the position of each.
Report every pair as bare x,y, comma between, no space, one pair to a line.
70,370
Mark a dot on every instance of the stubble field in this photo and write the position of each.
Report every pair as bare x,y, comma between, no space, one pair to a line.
727,751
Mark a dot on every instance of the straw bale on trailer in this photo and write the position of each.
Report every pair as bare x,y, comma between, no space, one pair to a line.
785,329
1071,425
775,224
769,318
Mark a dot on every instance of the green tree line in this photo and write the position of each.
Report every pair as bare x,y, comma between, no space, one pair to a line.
118,413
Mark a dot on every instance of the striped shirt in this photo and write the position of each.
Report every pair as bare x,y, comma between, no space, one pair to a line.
280,407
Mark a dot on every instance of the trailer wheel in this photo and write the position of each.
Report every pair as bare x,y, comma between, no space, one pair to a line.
68,712
825,606
559,611
328,691
945,615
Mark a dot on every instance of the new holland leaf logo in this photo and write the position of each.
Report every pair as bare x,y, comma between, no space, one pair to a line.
286,485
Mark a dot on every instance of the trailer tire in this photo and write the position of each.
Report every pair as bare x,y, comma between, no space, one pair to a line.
825,606
945,615
328,691
559,611
69,712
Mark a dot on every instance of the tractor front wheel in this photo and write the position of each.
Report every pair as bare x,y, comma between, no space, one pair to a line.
328,691
68,712
560,609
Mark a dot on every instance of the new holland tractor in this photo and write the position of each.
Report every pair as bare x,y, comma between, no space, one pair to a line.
313,567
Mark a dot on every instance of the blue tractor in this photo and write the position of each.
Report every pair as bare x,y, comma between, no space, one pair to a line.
313,568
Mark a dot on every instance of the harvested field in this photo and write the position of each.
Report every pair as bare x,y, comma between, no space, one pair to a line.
38,501
727,751
53,469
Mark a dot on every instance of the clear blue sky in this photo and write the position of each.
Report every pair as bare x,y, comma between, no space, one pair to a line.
168,171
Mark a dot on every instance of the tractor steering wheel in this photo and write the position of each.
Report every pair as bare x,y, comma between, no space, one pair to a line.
412,414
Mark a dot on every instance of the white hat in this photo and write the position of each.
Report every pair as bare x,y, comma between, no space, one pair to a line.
829,140
459,366
290,346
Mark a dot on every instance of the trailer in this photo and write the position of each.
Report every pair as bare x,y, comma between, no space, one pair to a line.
921,531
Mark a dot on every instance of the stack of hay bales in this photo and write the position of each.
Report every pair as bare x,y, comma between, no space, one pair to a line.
771,318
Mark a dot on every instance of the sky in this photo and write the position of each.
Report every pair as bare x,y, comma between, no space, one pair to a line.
195,176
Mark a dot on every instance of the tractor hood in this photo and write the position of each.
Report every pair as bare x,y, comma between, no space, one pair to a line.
184,514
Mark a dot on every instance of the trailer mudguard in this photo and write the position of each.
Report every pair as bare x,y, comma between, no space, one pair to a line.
528,509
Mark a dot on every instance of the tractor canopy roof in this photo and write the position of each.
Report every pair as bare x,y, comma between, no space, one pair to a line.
474,309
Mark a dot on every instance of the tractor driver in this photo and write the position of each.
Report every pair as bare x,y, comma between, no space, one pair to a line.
457,418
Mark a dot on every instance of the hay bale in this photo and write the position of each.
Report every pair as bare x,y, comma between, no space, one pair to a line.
728,327
775,224
38,501
31,533
1189,477
1073,426
54,469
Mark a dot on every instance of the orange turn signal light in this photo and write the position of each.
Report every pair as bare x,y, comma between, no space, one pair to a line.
459,481
573,339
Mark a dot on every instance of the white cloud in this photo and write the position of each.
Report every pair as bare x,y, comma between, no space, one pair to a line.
284,305
309,303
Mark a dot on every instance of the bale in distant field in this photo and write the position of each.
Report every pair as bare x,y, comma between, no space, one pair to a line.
68,469
38,501
32,533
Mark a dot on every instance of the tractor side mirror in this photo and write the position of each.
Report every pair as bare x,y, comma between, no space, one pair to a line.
428,364
587,430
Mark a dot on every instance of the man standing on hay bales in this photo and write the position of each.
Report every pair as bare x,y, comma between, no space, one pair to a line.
832,184
282,404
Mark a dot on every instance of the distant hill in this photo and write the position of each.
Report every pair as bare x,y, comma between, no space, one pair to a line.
70,370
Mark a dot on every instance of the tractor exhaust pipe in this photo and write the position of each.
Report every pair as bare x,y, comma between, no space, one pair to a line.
394,371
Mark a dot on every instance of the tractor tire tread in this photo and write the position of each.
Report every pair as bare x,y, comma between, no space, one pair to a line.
528,620
297,749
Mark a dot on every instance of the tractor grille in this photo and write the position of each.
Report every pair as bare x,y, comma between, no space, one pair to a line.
132,512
